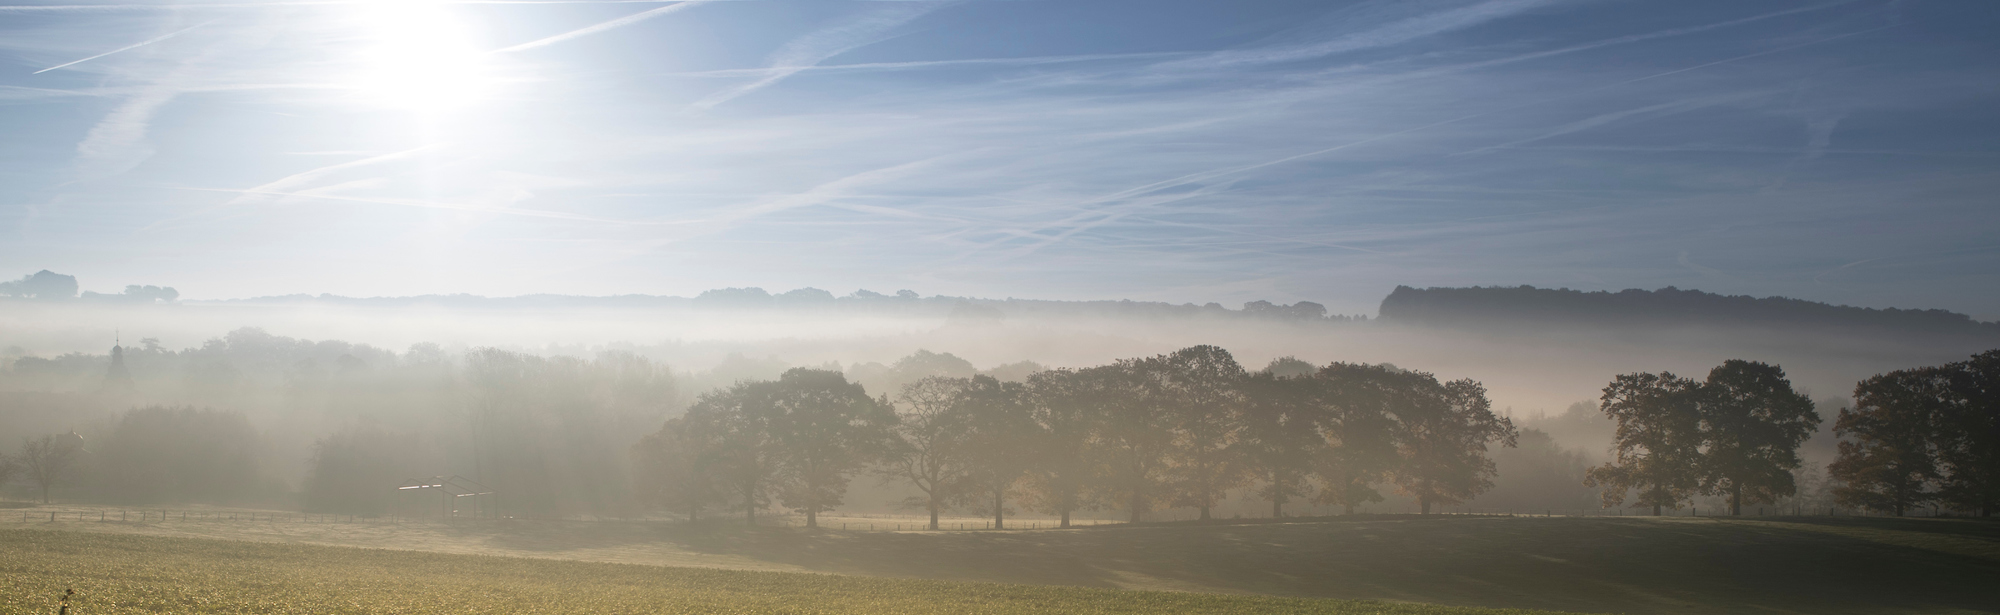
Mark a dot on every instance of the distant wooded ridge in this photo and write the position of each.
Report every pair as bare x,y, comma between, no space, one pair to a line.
902,302
1448,307
1478,306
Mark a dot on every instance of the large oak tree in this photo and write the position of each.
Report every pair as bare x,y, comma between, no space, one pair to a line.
1752,424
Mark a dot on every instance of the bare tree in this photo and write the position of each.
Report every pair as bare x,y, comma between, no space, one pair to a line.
48,459
929,448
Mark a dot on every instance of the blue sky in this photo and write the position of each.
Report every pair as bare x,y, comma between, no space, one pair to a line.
1164,150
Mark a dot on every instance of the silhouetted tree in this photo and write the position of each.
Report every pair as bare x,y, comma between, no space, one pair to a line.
825,429
1443,430
1133,439
1199,389
999,439
1657,449
1352,415
929,450
675,468
1886,457
48,460
738,420
1280,437
1752,426
1064,403
1968,443
1287,367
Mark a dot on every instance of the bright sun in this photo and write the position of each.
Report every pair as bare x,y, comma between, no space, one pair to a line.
417,55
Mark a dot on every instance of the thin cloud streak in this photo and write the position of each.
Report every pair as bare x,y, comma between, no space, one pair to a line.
1394,33
125,48
602,26
826,43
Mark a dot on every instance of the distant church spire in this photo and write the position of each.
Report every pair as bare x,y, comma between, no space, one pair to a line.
118,378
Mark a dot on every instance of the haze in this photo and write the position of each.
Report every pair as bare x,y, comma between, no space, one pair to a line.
1412,307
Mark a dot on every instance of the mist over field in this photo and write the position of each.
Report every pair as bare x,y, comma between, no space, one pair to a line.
1438,307
308,373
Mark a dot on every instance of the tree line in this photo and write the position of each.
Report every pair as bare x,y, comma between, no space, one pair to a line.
1735,434
1178,429
1929,435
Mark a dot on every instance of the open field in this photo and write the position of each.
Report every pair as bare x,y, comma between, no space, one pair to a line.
149,574
1598,564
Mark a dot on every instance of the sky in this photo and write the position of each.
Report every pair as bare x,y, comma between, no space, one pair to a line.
1170,150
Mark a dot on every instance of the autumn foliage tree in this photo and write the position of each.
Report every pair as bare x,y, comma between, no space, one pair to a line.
1887,459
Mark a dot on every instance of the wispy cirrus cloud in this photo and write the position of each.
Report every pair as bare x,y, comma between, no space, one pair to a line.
602,26
861,30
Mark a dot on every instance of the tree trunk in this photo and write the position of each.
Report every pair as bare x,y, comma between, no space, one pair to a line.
1424,503
999,510
1138,505
812,516
1204,512
1656,510
1735,499
1065,518
934,513
1346,509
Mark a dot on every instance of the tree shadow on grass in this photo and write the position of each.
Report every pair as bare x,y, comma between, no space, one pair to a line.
1600,565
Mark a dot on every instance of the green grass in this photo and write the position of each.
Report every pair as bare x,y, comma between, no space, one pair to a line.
151,574
1598,564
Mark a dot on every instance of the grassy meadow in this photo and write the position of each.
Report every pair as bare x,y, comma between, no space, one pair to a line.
151,574
1394,564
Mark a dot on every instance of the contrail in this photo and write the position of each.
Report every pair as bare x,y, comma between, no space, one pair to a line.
85,8
600,27
126,48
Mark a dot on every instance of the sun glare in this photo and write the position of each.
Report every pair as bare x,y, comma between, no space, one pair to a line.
418,55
